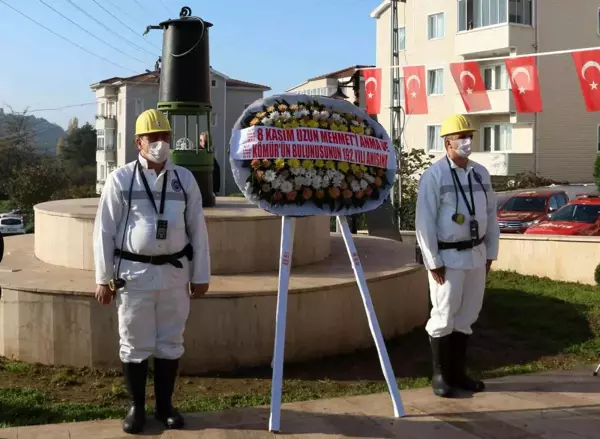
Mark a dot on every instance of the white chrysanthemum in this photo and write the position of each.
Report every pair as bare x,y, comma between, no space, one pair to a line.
317,182
275,115
337,117
369,178
297,171
355,123
331,173
276,184
324,115
369,131
287,187
325,181
266,121
312,172
286,115
299,182
270,176
363,184
297,114
316,115
355,185
305,112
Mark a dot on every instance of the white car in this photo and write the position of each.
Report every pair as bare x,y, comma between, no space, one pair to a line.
12,225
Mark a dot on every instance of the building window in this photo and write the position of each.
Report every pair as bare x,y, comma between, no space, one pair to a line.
119,140
213,83
401,38
435,26
434,142
102,109
139,107
473,14
99,140
496,137
214,119
495,77
435,82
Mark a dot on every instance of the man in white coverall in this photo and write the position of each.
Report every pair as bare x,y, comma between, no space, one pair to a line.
458,235
151,253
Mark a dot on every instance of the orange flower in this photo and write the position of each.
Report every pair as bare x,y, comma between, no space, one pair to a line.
347,194
320,194
277,196
360,195
259,175
307,193
334,192
266,187
255,163
266,163
291,196
254,121
378,182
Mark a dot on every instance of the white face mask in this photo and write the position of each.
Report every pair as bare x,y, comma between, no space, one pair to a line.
158,152
463,147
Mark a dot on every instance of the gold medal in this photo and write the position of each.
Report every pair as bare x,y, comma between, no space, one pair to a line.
458,218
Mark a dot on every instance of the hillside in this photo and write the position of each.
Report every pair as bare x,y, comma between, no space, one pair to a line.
46,134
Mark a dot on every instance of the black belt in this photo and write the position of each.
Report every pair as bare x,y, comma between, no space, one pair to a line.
188,252
460,245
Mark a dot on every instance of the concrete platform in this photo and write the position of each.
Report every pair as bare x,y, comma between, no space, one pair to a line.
559,405
48,314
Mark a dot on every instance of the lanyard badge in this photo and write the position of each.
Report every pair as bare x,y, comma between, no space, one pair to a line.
161,225
459,218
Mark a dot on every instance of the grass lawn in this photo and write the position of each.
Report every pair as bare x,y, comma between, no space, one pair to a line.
527,325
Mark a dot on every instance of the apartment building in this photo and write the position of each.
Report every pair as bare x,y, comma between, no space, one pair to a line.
327,84
562,141
121,100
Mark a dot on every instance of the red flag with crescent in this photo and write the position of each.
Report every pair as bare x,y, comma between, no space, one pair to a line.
525,84
415,94
372,78
587,64
467,77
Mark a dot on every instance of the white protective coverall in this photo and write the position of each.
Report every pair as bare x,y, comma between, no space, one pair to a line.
153,306
456,303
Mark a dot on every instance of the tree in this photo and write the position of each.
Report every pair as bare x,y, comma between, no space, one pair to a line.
412,165
36,183
60,146
81,145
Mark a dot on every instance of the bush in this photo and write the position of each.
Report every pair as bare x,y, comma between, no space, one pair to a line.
597,275
527,180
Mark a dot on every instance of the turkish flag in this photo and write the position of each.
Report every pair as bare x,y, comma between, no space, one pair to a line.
467,77
588,70
415,94
525,83
372,79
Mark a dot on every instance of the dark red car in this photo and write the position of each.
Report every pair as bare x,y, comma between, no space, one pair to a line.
525,209
579,217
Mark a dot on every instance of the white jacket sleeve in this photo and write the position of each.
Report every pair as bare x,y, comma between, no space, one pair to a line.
198,234
428,204
492,233
108,217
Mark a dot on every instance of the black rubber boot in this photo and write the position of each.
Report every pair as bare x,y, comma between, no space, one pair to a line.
165,372
460,378
441,355
135,380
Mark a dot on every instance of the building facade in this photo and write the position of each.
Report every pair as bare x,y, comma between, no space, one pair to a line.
121,100
559,143
327,84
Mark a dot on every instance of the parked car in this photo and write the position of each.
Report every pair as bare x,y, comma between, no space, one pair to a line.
12,225
579,217
525,209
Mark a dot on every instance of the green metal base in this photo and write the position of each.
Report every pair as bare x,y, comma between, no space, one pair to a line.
185,108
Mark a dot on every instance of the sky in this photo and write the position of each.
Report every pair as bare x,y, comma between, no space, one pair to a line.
279,43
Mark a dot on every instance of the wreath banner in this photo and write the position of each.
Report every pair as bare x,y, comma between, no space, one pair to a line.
304,155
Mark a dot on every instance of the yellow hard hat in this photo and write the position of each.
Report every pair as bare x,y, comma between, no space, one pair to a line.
455,124
152,121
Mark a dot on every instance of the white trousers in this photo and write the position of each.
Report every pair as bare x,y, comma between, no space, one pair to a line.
152,323
456,303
